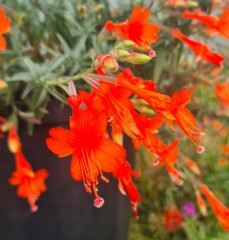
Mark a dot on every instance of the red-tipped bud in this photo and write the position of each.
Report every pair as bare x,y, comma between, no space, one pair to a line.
201,204
13,140
108,63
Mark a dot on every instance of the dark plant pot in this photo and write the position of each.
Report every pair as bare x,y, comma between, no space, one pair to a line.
66,211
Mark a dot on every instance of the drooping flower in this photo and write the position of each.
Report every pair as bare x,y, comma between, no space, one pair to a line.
30,183
147,91
4,28
184,118
13,140
201,50
222,93
191,165
161,153
126,186
119,110
220,210
171,109
173,219
137,29
201,204
215,24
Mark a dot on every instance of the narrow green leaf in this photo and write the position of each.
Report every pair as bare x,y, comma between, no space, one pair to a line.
159,64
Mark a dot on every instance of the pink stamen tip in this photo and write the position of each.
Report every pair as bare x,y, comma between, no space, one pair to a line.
98,202
34,208
200,149
180,182
156,163
152,53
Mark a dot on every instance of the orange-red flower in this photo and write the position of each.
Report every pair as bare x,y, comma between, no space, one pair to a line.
13,140
137,29
191,165
173,219
220,210
125,185
201,50
30,184
184,118
222,93
147,91
201,203
161,153
119,109
4,28
215,24
90,146
225,149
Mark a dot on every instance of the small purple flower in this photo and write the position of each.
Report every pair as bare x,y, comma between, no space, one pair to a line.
189,209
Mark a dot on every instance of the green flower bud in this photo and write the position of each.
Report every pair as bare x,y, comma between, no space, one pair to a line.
127,44
121,53
137,58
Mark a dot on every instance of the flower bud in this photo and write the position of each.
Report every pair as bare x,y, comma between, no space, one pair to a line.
201,204
127,44
121,53
13,140
3,84
108,63
137,58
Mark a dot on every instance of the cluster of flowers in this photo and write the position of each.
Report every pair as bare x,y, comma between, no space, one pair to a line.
93,151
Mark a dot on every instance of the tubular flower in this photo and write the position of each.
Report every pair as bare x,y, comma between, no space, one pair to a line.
218,25
30,184
146,90
201,204
91,148
120,114
222,93
191,165
137,29
220,210
168,156
173,219
183,117
123,173
13,140
161,153
201,50
4,28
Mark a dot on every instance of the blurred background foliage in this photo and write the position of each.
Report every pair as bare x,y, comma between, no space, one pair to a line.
53,39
